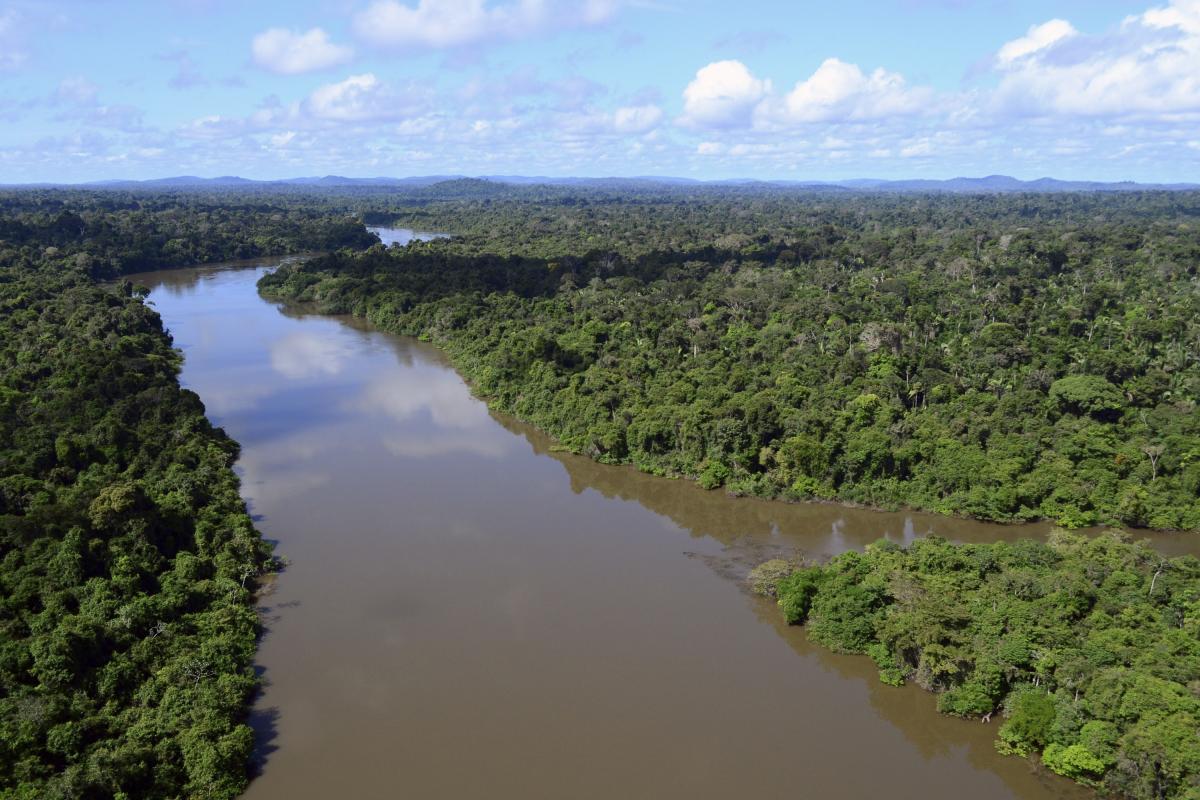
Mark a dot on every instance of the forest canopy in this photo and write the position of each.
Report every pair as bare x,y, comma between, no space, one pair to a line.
1002,357
127,558
1007,358
1089,648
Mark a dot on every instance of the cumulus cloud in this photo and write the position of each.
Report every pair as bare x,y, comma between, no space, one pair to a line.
453,23
723,94
1150,65
290,52
359,98
840,91
1039,37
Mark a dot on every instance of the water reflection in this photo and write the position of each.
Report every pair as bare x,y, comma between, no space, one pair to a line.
751,530
461,593
402,236
440,396
818,530
306,355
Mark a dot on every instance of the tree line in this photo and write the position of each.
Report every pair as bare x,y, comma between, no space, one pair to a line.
1006,358
128,561
1088,647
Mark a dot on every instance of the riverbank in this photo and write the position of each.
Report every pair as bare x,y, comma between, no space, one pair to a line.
1088,647
601,639
513,360
129,558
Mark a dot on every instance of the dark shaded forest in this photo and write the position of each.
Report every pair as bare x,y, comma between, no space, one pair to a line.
108,234
1001,357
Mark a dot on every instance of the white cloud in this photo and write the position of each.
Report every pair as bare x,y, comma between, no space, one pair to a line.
1150,65
723,94
1039,37
709,149
637,119
291,52
453,23
359,98
838,91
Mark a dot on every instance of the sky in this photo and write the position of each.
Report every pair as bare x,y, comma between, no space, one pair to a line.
791,89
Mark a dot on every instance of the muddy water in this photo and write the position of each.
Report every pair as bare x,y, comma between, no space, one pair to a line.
471,614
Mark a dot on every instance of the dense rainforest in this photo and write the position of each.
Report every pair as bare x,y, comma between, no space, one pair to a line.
1002,357
1090,647
127,558
114,233
1005,357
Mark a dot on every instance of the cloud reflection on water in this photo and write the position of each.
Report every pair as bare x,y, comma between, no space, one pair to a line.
234,397
306,355
460,423
277,470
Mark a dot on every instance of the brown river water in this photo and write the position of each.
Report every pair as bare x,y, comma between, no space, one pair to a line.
469,613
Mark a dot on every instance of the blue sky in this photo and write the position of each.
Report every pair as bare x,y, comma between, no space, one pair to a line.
97,89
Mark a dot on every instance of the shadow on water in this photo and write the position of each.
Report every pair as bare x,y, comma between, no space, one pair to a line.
767,527
264,721
752,530
907,706
729,535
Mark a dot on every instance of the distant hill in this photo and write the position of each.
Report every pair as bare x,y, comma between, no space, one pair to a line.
1005,183
191,181
990,184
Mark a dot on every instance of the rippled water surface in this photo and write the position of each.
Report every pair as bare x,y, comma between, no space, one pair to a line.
471,614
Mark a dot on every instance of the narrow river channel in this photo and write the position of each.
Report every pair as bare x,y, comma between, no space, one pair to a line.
470,614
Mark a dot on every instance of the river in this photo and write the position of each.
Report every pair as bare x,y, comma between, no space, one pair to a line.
469,613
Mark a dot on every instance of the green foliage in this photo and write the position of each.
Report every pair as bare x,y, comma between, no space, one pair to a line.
1089,646
111,233
796,592
970,699
1088,394
890,671
1005,358
127,557
1031,715
1076,762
